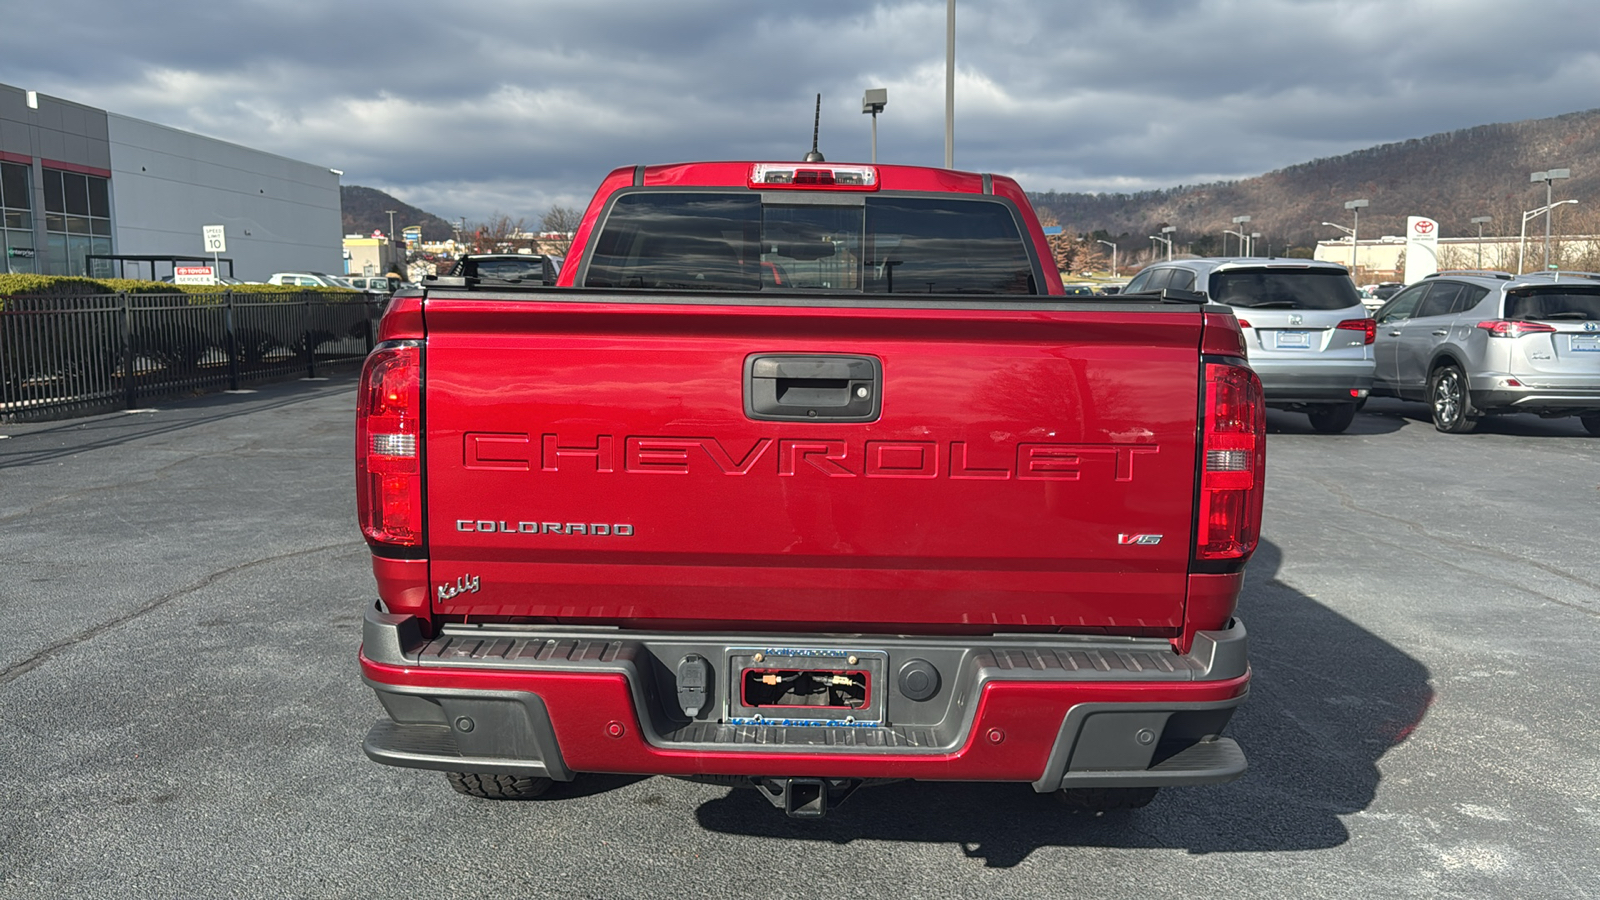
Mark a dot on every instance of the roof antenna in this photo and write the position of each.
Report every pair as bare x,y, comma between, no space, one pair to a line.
816,155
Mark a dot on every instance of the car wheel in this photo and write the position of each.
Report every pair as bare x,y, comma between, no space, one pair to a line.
1333,418
1591,424
498,787
1104,799
1447,394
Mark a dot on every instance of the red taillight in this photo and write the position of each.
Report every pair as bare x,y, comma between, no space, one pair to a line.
1233,464
388,445
1244,323
1368,326
1511,328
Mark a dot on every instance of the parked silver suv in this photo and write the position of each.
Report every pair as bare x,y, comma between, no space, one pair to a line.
1308,335
1473,344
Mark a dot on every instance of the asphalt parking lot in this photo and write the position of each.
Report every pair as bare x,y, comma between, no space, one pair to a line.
181,713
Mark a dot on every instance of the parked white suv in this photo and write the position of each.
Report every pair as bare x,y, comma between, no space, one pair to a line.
308,279
1308,335
374,284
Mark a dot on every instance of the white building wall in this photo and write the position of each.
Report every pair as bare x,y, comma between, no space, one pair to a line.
280,214
1382,260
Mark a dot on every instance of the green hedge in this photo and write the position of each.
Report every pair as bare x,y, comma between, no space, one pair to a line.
205,294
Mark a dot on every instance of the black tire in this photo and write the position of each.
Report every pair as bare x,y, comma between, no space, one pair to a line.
1333,418
1106,799
1450,401
497,787
1591,424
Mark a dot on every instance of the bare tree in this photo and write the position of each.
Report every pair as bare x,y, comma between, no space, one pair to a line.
556,228
498,234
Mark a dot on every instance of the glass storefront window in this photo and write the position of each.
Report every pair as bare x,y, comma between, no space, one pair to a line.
16,220
99,198
100,268
52,192
19,252
14,193
55,254
76,206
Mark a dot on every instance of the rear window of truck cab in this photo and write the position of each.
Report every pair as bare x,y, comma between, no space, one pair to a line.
879,244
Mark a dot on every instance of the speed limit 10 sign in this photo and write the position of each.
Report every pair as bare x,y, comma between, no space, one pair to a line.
215,242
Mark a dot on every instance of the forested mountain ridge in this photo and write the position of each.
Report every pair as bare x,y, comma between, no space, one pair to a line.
1451,177
366,210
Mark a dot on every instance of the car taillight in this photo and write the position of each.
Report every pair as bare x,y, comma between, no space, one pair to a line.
1244,323
806,175
1511,328
1367,326
388,445
1233,465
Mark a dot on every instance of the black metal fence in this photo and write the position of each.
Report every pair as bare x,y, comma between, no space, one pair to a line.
68,356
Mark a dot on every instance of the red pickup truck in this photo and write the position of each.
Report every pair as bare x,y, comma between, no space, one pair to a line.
805,476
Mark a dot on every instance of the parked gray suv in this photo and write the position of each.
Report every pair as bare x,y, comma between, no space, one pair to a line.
1484,343
1308,336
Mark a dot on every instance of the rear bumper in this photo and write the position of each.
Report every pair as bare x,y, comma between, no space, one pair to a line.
1583,398
1312,381
1050,710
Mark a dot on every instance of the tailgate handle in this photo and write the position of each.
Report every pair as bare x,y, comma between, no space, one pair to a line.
812,388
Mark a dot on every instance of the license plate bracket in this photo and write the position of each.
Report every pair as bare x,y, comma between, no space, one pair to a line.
806,686
1586,343
1294,340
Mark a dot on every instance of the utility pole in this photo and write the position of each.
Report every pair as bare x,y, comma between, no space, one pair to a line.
1355,207
1548,177
950,85
1479,221
873,102
1113,256
392,266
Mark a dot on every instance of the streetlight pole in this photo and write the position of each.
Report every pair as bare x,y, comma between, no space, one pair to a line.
391,237
1239,222
1547,177
1355,207
1479,221
1240,234
1530,215
873,101
1165,239
950,85
1113,256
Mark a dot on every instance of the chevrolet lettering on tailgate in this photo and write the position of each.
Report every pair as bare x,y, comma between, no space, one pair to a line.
788,456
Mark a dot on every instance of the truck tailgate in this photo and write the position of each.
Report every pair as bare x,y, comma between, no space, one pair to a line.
1030,468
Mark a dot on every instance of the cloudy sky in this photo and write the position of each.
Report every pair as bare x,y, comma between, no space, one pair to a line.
470,107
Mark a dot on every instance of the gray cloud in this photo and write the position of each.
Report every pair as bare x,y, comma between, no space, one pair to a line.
477,107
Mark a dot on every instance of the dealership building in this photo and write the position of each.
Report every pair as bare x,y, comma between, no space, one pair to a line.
84,191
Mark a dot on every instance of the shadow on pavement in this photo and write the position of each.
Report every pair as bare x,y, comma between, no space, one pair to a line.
590,784
1282,421
1406,413
1327,701
42,442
